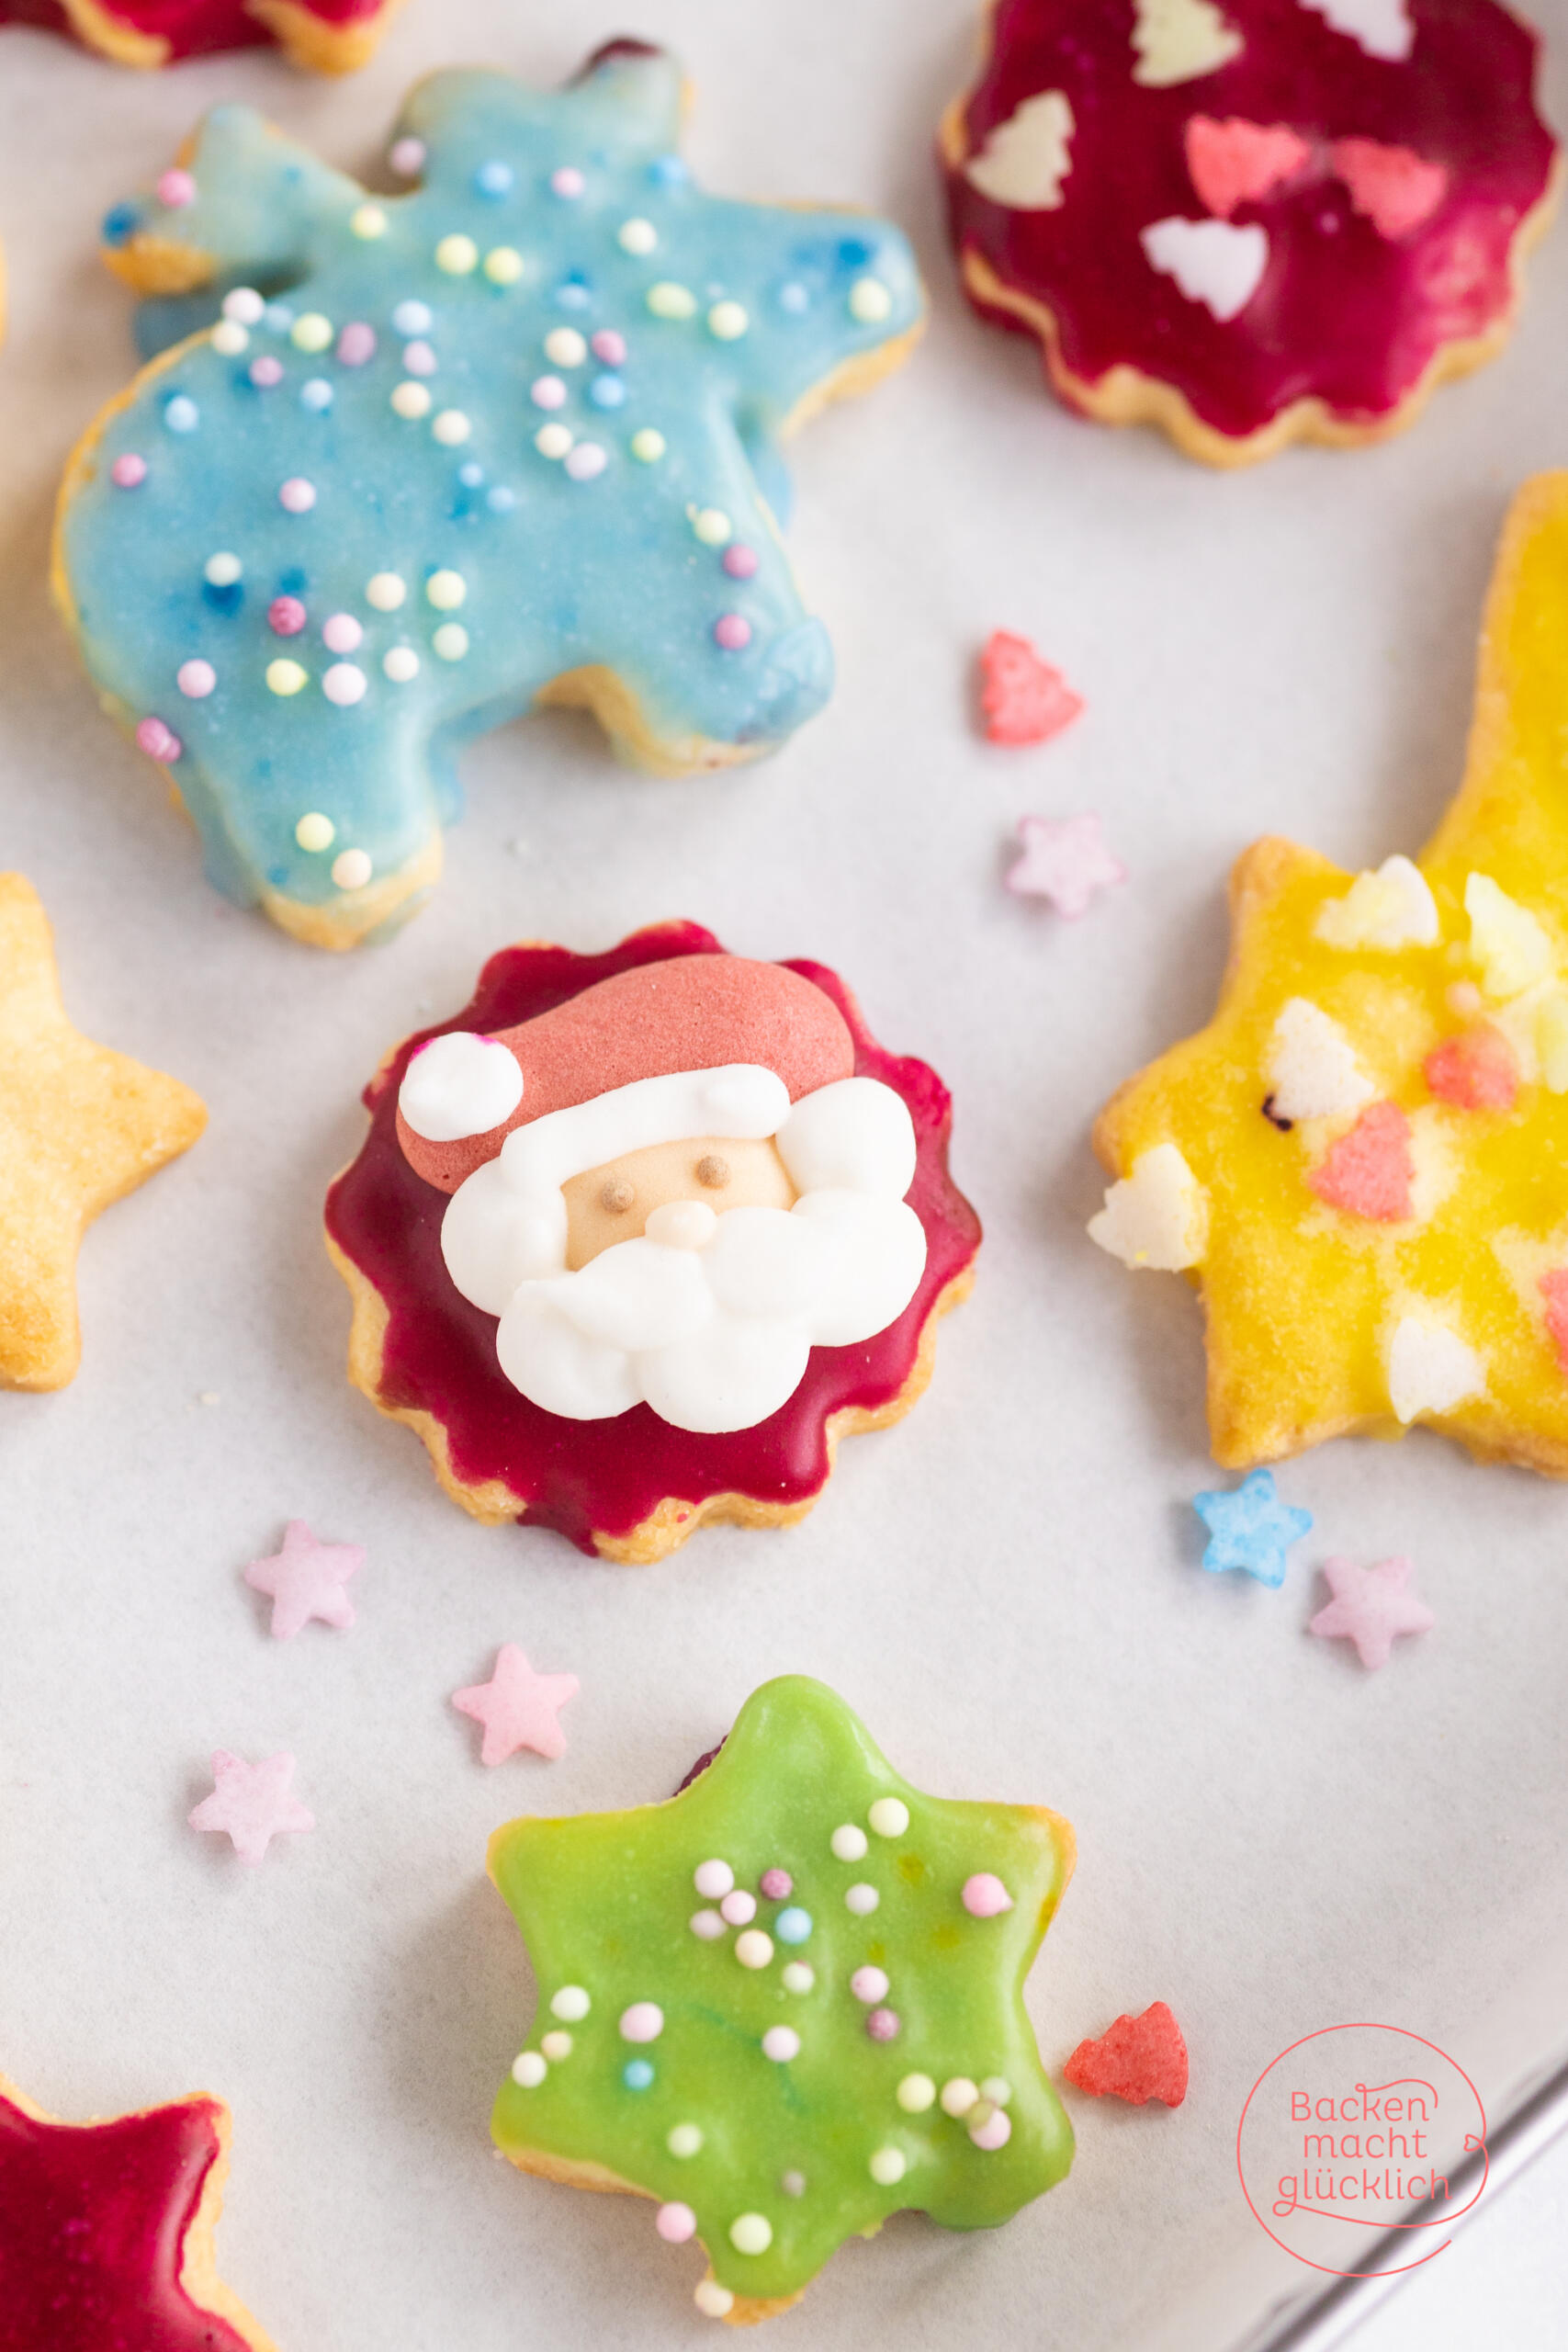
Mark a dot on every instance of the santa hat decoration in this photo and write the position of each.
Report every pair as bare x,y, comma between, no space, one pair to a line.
462,1095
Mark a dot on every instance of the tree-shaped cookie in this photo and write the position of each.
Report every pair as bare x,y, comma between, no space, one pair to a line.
451,455
107,2229
1362,1162
788,2002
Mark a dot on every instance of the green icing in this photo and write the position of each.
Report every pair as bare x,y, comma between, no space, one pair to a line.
605,1903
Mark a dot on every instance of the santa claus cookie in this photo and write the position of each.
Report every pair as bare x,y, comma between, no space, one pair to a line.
637,1238
1269,221
788,2003
106,2232
334,35
1361,1160
490,443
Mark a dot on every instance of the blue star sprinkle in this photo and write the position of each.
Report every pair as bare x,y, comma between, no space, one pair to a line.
1250,1528
514,433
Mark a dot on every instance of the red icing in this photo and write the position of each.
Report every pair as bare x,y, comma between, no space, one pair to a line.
92,2225
1477,1072
191,27
1024,699
690,1012
578,1477
1370,1171
1554,1290
1232,162
1392,186
1136,2059
1342,312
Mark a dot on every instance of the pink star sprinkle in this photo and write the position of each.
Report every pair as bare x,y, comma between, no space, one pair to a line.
306,1579
1064,860
517,1707
1369,1606
252,1802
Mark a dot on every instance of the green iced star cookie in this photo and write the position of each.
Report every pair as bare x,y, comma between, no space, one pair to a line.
788,2002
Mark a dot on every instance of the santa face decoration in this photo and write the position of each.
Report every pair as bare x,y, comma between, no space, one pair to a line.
676,1187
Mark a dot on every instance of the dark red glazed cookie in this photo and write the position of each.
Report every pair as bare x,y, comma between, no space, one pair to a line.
106,2232
627,1481
332,35
1268,221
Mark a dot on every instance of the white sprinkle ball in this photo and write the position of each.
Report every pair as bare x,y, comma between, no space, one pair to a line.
555,2045
889,1817
351,869
446,589
739,1907
311,331
564,347
244,305
797,1976
552,440
586,461
229,338
344,685
781,2043
221,570
386,590
315,832
713,1879
504,266
861,1899
451,427
916,2093
728,321
410,400
644,2021
870,301
750,2234
528,2070
683,2140
636,236
707,1926
887,2167
959,2095
401,663
753,1949
450,641
848,1842
571,2005
368,221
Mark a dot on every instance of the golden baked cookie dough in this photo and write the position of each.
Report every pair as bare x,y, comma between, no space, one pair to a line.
1362,1162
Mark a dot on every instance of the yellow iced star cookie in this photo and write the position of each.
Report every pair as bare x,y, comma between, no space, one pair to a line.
79,1127
1362,1162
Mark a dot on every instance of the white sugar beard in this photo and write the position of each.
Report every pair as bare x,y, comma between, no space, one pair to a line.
707,1318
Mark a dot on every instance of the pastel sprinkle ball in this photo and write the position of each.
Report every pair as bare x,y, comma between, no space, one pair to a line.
959,2095
588,460
548,392
228,339
991,2130
195,679
713,1879
401,663
504,266
414,318
265,372
868,1983
792,1925
739,561
753,1949
684,2140
1136,2059
775,1886
667,300
751,2234
176,189
528,2070
315,832
780,2042
287,677
450,641
572,2004
158,741
870,301
647,446
728,321
862,1899
732,631
848,1842
636,2075
296,496
985,1896
245,306
644,2021
406,157
882,2024
797,1976
712,526
552,440
675,2223
889,1817
887,2167
129,472
916,2093
637,237
494,179
555,2046
286,616
344,685
181,414
456,256
564,347
738,1909
609,346
386,590
566,181
357,344
368,221
712,2300
351,871
341,633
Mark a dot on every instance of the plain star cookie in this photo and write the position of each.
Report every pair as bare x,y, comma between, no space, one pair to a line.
1359,1162
332,35
1274,221
637,1238
505,440
109,2232
787,2003
80,1126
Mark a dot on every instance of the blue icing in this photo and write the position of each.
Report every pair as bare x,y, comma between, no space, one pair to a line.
516,565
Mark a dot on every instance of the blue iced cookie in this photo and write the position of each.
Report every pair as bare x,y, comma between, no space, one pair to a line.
445,457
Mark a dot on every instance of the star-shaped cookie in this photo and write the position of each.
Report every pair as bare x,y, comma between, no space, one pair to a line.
787,2002
79,1127
108,2231
1362,1162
